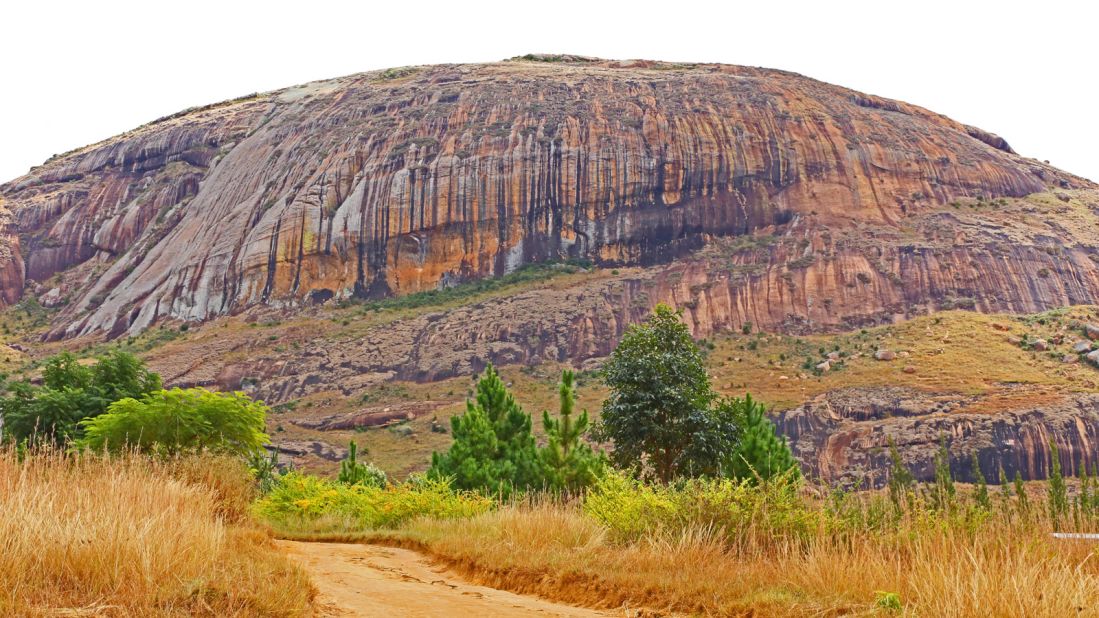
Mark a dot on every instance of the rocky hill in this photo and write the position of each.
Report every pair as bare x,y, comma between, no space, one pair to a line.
408,226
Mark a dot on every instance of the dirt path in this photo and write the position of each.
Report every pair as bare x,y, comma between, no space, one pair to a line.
370,580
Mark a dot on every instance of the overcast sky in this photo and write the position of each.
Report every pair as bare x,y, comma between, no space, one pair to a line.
75,73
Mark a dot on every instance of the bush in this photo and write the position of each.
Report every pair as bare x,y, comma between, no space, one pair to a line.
354,473
734,509
71,392
180,421
308,503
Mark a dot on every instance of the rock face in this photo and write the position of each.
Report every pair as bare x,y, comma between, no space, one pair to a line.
843,437
410,179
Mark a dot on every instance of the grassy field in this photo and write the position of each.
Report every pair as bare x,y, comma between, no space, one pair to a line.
135,537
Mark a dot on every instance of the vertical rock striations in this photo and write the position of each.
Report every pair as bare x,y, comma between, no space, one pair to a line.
410,179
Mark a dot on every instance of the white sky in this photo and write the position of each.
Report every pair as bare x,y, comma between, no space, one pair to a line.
73,73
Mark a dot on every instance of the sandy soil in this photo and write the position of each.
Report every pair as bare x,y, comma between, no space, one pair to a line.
370,580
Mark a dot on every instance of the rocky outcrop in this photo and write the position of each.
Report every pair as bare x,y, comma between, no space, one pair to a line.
378,416
409,179
843,437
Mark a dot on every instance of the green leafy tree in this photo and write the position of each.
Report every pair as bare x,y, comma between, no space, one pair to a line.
760,453
493,448
353,472
660,414
569,463
71,392
179,420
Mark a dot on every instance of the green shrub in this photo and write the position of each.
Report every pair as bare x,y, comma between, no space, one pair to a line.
735,509
179,421
71,392
354,473
308,503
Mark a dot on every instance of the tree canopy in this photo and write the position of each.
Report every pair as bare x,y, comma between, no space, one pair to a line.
179,420
760,453
71,392
494,448
661,413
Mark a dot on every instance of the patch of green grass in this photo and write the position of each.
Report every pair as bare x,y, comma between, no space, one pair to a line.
524,274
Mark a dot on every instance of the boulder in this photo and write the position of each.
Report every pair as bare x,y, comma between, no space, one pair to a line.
1039,345
1070,358
885,355
909,369
1081,347
1092,331
1093,358
825,366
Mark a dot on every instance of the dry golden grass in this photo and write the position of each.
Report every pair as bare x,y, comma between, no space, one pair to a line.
951,351
1003,569
134,537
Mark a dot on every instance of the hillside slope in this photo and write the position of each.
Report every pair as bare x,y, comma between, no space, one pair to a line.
353,250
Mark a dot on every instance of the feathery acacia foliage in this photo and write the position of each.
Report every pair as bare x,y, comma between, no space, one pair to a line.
179,421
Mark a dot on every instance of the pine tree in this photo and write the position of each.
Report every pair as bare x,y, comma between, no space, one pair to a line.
1005,488
900,479
1020,492
354,473
981,495
568,462
1058,492
493,449
760,454
943,494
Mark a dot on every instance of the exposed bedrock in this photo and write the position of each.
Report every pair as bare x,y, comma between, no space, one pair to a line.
392,182
843,437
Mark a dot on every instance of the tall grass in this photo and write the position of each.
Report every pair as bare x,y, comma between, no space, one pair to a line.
130,536
719,548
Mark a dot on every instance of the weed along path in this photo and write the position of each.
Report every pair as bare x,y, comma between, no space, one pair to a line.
372,580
